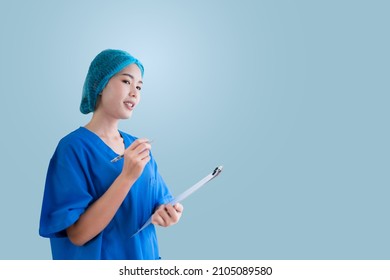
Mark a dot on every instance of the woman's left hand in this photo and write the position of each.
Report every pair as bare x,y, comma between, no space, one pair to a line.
167,215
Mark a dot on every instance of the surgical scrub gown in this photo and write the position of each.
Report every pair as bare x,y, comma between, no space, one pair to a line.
79,173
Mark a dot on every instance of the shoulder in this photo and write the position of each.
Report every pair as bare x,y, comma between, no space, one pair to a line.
75,134
74,138
72,143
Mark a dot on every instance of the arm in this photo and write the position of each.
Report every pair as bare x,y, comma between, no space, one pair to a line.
99,214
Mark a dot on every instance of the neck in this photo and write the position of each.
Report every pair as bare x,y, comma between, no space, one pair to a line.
104,127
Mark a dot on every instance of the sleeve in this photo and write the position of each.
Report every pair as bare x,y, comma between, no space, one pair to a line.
66,193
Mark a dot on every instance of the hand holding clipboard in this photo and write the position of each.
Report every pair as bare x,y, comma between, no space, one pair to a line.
187,193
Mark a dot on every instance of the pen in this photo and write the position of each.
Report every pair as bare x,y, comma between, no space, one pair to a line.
115,159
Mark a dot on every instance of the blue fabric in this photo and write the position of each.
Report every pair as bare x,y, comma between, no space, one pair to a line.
104,66
79,173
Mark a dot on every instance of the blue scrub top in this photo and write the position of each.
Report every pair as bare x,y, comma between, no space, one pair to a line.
79,173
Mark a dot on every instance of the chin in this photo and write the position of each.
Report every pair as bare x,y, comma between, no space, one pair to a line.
127,116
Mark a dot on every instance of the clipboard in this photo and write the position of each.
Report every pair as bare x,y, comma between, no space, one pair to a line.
187,193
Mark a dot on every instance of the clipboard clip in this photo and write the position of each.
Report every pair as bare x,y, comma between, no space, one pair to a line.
216,171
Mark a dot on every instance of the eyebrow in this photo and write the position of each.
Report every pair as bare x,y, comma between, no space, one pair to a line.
131,76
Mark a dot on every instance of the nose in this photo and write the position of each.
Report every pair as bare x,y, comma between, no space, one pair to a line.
133,92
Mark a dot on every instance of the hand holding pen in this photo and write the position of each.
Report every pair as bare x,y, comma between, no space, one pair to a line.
135,157
115,159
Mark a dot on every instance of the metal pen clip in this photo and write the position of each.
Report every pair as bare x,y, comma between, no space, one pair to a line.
115,159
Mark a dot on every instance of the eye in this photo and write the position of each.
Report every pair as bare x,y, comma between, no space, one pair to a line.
126,82
139,88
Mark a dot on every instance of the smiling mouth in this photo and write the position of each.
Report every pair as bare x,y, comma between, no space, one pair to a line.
130,105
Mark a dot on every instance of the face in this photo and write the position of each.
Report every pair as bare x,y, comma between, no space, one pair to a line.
122,93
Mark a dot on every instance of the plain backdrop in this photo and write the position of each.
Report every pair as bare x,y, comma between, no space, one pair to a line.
291,97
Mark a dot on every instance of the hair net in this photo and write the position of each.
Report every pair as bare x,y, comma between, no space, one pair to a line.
104,66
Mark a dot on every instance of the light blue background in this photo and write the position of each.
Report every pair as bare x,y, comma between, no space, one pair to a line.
292,97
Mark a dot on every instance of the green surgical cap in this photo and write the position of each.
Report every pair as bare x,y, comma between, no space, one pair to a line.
104,66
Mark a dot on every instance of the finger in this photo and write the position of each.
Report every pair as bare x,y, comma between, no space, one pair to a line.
141,154
173,214
169,209
157,220
142,147
137,142
144,157
163,213
131,156
137,153
179,208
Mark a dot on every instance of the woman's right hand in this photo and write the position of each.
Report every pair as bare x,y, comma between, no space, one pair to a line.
136,156
99,214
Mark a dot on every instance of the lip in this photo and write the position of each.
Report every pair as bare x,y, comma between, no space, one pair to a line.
130,105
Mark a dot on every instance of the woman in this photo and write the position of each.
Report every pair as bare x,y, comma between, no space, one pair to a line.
92,206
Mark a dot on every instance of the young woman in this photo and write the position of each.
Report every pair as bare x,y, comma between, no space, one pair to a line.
91,206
